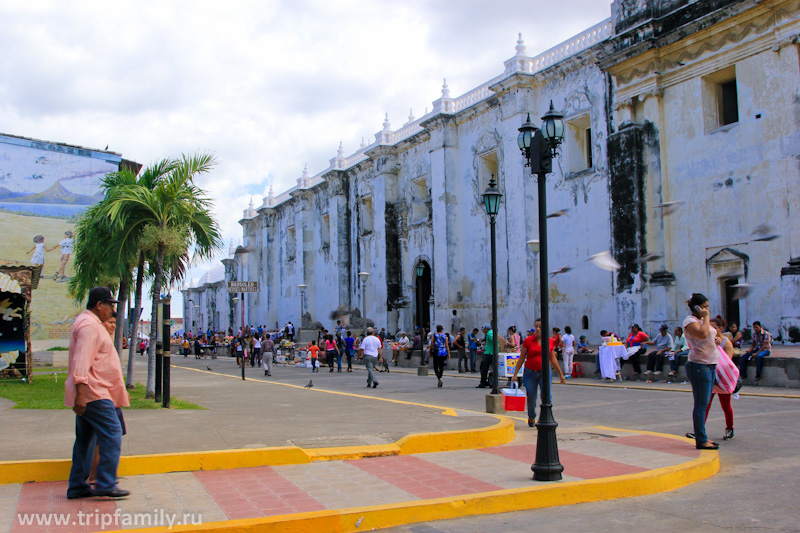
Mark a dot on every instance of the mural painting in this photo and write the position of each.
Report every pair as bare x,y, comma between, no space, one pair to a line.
44,188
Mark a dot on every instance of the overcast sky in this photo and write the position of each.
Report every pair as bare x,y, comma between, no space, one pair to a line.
266,86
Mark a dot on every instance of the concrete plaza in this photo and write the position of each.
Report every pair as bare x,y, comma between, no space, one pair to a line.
339,412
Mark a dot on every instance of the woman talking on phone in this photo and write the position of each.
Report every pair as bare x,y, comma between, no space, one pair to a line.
701,365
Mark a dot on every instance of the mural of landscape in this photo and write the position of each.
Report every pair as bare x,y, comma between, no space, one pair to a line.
44,188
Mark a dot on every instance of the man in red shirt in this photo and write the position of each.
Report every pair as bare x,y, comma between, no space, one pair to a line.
530,356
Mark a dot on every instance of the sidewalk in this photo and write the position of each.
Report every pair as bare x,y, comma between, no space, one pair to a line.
599,463
380,478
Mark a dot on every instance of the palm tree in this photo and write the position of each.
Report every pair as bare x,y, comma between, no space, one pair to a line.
167,218
127,243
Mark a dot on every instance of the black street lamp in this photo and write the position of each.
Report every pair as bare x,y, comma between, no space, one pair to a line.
491,201
539,147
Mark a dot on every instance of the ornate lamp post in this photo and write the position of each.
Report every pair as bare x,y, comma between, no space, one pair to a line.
491,201
539,147
364,276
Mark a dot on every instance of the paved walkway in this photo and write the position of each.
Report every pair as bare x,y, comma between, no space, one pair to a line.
317,489
291,494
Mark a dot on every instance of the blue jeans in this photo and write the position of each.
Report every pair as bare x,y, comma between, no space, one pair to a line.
473,357
370,363
702,379
676,361
98,424
759,362
531,380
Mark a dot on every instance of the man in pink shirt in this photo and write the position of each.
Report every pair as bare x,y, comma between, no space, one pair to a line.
94,389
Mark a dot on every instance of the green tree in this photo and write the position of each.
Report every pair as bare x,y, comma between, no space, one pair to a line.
166,220
128,246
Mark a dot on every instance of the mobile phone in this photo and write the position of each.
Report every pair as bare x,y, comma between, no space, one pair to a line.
696,309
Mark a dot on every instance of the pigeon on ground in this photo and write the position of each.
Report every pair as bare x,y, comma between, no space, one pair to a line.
208,368
605,261
561,270
765,232
310,384
667,208
648,257
559,213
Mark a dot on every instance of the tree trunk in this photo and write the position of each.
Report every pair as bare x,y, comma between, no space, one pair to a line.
122,308
137,313
151,354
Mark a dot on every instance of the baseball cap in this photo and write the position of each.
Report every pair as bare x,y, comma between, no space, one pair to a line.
663,327
100,294
487,326
532,330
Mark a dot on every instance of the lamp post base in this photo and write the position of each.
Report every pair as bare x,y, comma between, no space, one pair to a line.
494,403
547,466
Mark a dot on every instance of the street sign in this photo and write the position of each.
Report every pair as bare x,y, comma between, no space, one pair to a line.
242,286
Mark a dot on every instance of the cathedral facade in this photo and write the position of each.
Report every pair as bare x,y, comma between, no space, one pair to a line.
681,158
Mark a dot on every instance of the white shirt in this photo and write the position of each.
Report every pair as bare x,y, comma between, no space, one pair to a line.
569,341
66,245
257,343
370,345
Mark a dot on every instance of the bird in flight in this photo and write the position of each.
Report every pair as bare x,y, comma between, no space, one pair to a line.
559,213
648,257
561,270
667,208
605,261
764,232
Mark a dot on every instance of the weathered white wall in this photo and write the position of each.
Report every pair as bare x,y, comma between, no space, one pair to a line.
730,180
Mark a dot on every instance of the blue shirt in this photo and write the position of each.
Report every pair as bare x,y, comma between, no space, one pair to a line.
473,342
348,342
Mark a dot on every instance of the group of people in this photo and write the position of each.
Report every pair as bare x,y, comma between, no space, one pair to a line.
672,347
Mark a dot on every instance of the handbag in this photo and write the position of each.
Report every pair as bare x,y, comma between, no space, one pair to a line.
727,374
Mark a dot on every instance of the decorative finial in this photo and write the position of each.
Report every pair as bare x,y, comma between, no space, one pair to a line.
340,152
251,202
363,142
411,117
305,171
520,48
231,248
387,126
445,89
271,192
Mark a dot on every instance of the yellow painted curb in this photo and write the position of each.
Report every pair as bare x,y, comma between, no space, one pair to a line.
133,465
502,501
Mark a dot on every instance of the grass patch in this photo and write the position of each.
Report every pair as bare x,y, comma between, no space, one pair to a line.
50,369
57,349
44,392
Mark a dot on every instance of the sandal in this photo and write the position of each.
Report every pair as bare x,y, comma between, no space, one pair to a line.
707,445
690,435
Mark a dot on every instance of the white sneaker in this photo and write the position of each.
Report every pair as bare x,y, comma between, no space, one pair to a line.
648,372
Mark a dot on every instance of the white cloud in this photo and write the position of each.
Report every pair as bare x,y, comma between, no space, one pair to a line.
267,86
